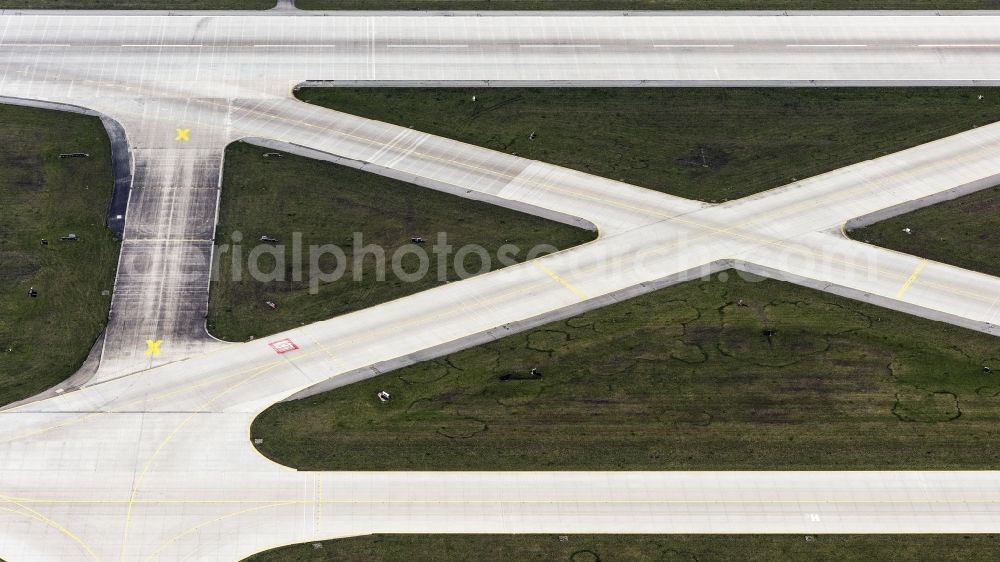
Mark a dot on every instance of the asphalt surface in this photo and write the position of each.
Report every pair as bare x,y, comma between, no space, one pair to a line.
121,166
151,459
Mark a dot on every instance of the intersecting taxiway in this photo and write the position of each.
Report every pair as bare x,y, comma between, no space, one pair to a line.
146,457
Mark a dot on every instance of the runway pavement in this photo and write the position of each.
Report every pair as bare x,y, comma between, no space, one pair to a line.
158,464
248,55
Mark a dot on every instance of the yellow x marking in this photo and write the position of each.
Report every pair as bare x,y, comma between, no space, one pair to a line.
153,347
182,134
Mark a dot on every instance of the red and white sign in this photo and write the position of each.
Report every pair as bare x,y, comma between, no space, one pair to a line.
283,346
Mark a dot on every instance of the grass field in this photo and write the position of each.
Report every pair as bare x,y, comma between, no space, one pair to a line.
648,4
138,4
963,232
328,203
44,340
642,548
681,379
711,144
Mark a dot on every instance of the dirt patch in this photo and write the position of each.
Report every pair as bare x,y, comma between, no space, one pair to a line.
709,156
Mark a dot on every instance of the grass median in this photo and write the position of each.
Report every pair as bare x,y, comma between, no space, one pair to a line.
43,340
733,373
642,548
964,232
327,203
711,144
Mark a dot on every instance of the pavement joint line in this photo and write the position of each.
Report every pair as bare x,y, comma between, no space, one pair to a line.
156,552
417,321
146,399
31,514
152,458
511,177
944,288
754,237
156,397
720,246
500,503
909,281
797,248
487,501
855,266
778,242
437,315
322,347
552,45
864,185
221,378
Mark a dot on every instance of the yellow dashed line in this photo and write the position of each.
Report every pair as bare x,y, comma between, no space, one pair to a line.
561,281
911,279
318,508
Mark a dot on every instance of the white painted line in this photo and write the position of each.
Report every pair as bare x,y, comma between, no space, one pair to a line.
559,45
428,46
694,46
298,46
157,46
963,46
828,46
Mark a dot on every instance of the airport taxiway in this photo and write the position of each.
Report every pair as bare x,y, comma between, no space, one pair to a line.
151,459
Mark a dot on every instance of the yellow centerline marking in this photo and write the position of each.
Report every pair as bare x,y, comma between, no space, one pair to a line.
865,184
706,231
258,369
271,117
156,553
701,226
31,514
318,508
560,280
204,524
132,500
911,279
149,463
